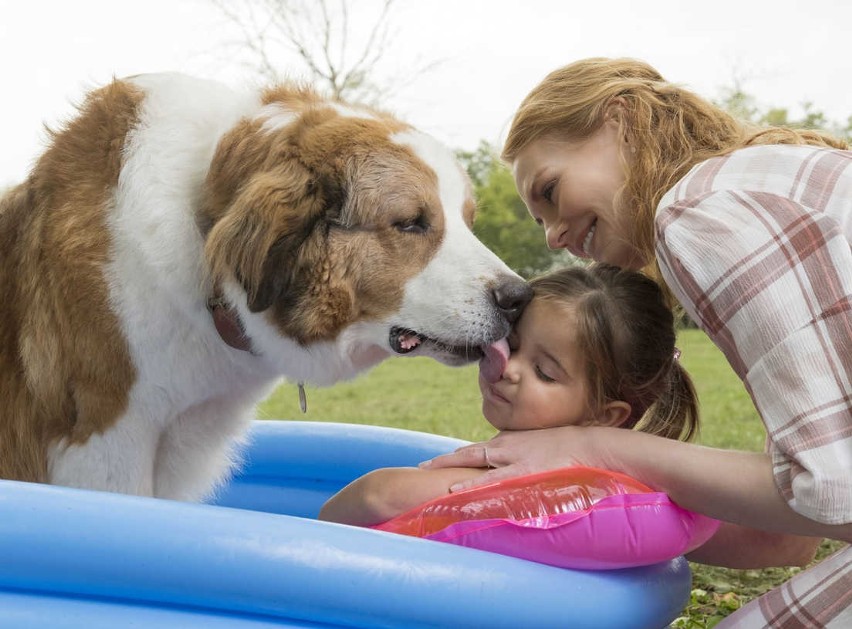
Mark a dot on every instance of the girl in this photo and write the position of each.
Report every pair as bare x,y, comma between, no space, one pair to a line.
751,231
595,347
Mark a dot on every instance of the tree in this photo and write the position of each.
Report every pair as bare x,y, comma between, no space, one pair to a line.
811,119
503,223
337,54
738,103
742,105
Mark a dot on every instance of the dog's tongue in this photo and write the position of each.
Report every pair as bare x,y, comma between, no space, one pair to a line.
494,362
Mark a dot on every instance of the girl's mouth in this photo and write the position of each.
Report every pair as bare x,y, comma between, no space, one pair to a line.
495,395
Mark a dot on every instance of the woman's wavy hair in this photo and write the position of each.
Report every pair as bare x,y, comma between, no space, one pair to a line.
668,128
625,332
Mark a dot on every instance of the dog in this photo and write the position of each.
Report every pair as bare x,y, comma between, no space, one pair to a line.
181,246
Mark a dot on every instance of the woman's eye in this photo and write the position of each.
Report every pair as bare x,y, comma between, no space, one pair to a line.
543,376
547,191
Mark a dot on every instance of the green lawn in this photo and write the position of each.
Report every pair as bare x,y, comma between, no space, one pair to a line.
419,394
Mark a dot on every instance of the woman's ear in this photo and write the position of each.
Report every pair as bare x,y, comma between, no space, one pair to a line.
613,414
615,110
616,117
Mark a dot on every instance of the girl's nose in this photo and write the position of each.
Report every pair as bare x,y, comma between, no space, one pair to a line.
511,372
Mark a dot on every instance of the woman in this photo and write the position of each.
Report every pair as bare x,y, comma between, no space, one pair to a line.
750,230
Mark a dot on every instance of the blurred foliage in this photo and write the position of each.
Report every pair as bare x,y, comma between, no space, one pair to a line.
744,106
502,221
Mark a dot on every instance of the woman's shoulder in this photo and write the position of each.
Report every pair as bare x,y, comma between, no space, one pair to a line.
778,169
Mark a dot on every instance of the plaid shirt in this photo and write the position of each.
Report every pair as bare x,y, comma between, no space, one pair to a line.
756,247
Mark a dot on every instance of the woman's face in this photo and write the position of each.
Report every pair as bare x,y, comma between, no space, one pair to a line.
569,189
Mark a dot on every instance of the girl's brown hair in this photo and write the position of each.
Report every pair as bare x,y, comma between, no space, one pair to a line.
668,129
625,331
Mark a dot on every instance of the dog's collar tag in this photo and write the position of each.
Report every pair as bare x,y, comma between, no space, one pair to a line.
303,399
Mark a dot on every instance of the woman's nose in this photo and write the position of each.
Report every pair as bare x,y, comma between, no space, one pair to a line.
556,236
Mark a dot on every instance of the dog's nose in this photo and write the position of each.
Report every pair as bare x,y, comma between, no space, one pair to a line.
511,296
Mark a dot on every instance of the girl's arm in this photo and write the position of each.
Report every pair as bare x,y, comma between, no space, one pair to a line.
387,492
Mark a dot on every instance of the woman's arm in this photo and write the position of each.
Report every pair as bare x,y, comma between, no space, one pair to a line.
777,304
735,546
733,486
385,493
729,485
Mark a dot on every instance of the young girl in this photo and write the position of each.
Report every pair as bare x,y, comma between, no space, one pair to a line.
596,346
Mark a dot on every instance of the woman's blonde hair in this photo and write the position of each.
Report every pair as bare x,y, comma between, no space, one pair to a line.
668,129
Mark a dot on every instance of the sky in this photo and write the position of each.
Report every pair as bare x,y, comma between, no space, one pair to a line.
485,55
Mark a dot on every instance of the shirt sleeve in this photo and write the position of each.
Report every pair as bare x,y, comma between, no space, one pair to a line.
770,282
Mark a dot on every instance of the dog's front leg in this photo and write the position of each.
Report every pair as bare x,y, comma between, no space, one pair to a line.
120,459
198,450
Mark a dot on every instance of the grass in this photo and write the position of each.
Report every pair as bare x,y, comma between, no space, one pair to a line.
419,394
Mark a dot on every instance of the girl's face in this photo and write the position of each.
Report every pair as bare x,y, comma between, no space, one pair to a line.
570,187
544,383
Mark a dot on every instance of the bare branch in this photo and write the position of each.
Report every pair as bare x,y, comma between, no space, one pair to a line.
376,42
326,50
344,32
319,35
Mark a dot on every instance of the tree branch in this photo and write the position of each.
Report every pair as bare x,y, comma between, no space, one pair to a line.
319,35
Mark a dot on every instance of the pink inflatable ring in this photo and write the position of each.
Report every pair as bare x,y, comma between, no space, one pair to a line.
576,517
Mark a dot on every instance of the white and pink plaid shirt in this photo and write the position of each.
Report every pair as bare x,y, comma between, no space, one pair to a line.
756,247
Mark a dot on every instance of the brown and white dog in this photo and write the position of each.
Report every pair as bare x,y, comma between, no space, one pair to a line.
181,246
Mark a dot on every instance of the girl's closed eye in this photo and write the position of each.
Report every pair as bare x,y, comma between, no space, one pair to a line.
542,375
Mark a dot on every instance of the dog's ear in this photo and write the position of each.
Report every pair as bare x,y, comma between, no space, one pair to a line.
260,234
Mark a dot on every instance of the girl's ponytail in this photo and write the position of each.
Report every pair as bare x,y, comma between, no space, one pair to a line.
674,413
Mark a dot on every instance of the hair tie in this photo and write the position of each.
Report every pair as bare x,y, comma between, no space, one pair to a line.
676,354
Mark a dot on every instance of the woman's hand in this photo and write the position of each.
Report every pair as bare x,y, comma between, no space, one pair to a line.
517,453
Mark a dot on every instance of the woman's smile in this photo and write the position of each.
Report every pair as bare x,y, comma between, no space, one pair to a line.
587,241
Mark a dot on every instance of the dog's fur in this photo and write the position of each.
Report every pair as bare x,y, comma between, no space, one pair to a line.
328,236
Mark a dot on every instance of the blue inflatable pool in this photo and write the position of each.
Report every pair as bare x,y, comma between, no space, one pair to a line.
257,558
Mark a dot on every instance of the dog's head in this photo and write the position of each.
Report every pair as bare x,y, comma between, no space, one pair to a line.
339,227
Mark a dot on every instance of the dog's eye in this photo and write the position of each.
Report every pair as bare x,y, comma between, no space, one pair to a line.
418,225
